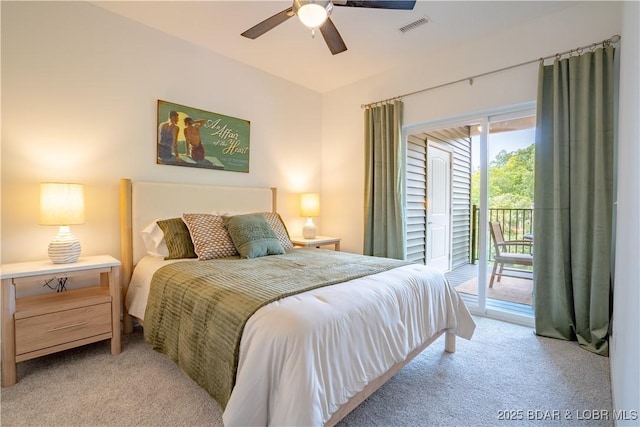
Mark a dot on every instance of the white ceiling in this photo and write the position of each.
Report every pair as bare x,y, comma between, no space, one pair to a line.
372,37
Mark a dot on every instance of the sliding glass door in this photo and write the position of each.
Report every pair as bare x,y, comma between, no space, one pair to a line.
480,170
509,212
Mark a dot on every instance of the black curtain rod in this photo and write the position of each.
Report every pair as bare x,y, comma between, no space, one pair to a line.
612,40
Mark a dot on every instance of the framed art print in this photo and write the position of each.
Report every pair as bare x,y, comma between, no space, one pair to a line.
192,137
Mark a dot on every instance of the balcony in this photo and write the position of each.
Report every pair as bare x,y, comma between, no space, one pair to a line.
517,288
517,224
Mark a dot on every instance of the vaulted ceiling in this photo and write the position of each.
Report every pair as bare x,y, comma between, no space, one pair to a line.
375,43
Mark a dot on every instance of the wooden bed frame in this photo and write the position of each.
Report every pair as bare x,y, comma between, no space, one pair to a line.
143,202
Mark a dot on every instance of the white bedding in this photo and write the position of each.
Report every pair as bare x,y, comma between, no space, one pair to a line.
304,356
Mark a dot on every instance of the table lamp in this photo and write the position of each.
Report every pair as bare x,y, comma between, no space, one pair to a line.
62,204
309,207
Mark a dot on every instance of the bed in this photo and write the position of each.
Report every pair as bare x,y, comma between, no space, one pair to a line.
346,324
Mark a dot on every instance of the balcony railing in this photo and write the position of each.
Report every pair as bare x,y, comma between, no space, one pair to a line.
516,223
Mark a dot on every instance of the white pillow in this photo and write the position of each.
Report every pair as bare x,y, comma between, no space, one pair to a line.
229,213
153,239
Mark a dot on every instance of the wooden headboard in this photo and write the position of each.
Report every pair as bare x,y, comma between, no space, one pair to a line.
144,202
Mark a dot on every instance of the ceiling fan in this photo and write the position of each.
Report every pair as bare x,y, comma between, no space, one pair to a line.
315,14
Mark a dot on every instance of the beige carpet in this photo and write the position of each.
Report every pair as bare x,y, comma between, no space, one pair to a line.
508,289
503,368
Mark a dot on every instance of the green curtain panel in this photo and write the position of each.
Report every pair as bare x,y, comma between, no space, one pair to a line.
383,197
574,175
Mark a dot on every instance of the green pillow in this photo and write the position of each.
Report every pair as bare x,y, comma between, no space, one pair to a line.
252,235
178,239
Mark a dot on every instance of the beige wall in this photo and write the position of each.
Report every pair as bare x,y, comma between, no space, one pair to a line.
581,24
625,347
79,93
79,90
79,87
342,149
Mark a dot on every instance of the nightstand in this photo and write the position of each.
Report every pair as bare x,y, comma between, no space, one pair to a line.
317,242
36,325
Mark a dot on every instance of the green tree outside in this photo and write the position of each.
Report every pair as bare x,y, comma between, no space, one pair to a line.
510,180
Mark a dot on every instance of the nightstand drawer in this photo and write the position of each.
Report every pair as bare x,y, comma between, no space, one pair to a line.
46,323
48,330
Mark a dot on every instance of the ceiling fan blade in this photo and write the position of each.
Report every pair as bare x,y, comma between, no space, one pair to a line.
332,37
388,4
268,24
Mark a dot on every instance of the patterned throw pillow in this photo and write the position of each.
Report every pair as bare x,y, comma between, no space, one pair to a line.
210,237
278,227
177,238
252,235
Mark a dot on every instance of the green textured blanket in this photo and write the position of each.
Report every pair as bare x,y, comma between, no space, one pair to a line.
197,310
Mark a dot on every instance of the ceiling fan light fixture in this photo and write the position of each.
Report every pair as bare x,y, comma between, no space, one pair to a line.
313,14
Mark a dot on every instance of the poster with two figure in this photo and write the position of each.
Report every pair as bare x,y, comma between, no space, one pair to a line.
192,137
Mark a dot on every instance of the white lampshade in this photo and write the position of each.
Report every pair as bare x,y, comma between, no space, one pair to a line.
309,204
309,207
313,13
62,204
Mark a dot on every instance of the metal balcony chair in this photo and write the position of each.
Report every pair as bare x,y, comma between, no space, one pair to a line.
509,252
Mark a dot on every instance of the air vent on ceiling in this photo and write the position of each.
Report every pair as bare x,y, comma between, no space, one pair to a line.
413,25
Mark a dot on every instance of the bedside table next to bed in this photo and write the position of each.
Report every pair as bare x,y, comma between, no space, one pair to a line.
316,242
33,326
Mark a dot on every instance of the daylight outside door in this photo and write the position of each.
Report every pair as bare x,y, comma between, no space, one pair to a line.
487,175
510,156
438,208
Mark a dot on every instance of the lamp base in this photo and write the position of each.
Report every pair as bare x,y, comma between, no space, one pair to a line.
309,229
64,248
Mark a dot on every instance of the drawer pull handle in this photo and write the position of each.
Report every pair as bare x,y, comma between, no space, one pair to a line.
72,325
